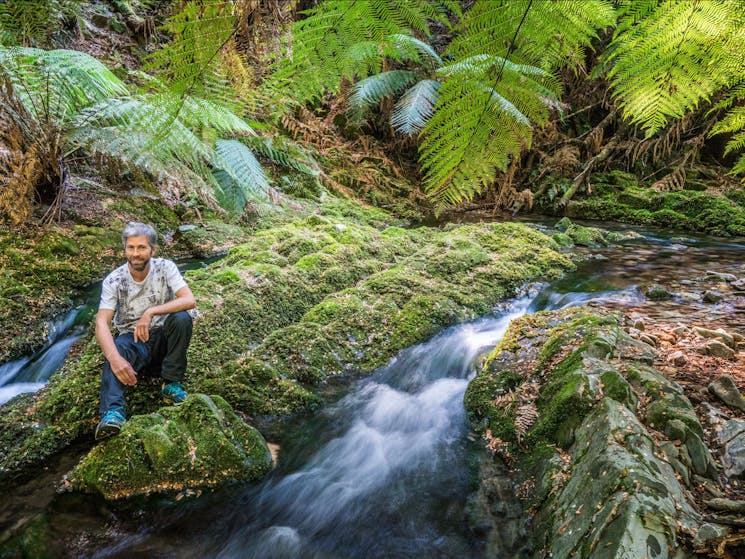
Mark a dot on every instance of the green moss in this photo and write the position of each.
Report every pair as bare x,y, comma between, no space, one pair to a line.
616,387
200,442
685,209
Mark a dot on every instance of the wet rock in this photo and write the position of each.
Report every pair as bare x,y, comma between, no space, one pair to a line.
721,276
648,339
739,285
658,292
728,505
726,390
719,334
712,296
732,437
719,349
678,358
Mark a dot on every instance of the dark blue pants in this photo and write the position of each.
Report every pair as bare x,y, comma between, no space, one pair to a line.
166,347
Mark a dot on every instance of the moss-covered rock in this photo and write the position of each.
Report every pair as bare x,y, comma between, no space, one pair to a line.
200,443
569,399
690,210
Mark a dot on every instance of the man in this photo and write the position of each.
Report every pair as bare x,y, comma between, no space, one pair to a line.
147,299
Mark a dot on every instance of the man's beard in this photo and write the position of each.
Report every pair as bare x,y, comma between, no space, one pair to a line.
139,267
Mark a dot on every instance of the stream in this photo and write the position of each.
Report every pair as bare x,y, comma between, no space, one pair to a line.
386,469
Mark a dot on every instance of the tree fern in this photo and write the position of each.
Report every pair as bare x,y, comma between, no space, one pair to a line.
54,84
66,101
337,28
499,86
32,22
684,52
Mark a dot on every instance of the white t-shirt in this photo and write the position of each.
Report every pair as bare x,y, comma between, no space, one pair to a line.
129,299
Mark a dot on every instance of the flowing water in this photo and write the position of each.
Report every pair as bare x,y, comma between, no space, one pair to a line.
386,469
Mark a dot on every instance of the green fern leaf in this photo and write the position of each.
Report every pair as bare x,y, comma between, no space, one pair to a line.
372,90
55,84
240,175
415,107
683,53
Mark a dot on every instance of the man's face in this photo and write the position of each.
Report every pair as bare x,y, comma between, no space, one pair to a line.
138,252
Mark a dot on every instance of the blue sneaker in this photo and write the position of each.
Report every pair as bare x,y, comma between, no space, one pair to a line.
110,424
174,392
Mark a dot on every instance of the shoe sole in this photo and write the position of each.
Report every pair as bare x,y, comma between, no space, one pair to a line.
106,431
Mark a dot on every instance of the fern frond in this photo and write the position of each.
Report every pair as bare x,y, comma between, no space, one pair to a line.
32,22
405,47
683,53
138,132
485,114
240,176
551,34
191,63
287,154
55,84
333,28
415,107
467,140
372,90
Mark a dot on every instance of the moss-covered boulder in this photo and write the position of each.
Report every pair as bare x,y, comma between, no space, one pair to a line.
606,443
200,443
618,197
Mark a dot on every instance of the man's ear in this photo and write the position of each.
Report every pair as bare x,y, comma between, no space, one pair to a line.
155,249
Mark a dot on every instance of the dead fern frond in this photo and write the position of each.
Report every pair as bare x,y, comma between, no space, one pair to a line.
527,414
505,400
673,181
564,161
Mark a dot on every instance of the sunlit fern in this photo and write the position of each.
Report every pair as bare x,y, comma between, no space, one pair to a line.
67,102
499,86
674,59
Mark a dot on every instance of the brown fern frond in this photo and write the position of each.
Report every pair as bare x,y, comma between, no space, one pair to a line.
527,414
505,400
673,181
18,177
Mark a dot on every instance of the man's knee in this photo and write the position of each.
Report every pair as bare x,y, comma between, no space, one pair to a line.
126,346
180,321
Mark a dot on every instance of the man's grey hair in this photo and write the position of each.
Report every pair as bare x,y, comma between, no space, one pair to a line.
137,229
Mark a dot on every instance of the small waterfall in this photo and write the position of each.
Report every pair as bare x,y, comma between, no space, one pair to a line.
29,374
382,486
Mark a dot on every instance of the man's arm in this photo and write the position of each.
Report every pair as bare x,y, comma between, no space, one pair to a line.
120,366
183,302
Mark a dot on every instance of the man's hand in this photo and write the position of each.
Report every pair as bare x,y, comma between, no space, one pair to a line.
142,328
123,370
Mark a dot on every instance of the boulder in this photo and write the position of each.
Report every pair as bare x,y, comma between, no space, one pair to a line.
726,390
658,292
732,438
719,349
200,443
